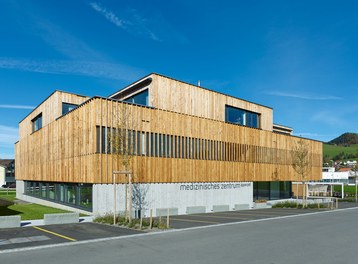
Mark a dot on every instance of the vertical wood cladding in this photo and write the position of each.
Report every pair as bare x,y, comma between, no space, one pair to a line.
50,109
173,95
66,149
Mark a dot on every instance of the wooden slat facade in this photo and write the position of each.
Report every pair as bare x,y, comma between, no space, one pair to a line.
66,149
173,95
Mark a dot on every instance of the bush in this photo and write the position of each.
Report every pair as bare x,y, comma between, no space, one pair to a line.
286,204
289,204
135,224
261,201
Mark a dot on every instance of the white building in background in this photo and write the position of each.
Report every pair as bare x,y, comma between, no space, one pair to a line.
351,163
2,175
7,172
330,175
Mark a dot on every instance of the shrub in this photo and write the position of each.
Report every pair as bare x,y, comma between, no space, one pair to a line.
289,204
135,224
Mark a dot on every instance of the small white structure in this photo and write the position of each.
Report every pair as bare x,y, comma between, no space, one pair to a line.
351,163
2,175
330,175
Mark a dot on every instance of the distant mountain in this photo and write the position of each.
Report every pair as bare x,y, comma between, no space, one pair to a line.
345,139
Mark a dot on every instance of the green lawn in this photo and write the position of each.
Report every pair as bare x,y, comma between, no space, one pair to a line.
10,196
29,211
333,150
347,189
26,211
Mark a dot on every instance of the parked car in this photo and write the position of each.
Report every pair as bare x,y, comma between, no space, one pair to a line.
10,185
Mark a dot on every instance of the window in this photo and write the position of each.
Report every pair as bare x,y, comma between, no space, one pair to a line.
143,144
139,98
66,107
77,195
241,117
37,123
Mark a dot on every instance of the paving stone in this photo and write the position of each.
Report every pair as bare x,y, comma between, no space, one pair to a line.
39,238
19,240
4,242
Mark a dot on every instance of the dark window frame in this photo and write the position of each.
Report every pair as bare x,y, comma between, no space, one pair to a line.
248,119
37,123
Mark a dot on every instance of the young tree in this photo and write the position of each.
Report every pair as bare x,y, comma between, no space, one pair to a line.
122,143
301,163
139,198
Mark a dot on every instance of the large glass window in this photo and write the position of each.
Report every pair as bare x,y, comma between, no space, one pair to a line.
66,107
85,195
139,98
37,123
51,191
272,190
241,117
76,195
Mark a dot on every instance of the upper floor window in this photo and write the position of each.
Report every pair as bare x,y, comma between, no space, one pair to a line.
139,98
66,107
37,123
241,117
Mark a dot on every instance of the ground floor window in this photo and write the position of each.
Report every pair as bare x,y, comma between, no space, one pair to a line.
273,190
72,194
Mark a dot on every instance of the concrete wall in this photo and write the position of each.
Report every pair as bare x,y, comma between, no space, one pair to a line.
174,195
10,221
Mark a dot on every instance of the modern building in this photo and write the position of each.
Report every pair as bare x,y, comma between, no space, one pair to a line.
188,149
7,172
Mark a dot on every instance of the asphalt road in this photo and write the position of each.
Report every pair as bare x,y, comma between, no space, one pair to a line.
325,237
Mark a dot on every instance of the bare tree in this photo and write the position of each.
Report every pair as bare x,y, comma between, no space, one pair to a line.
139,198
301,163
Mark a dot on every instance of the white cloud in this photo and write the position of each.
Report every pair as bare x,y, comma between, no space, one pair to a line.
108,15
310,135
320,137
8,136
136,24
16,106
7,155
84,68
304,96
65,43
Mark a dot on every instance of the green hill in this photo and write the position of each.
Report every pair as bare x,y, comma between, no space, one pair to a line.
344,147
345,139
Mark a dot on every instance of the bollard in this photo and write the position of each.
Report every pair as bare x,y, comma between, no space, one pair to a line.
150,219
168,218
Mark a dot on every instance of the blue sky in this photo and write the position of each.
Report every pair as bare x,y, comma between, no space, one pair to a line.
298,57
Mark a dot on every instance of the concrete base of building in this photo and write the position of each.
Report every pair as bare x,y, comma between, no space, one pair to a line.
179,198
160,198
